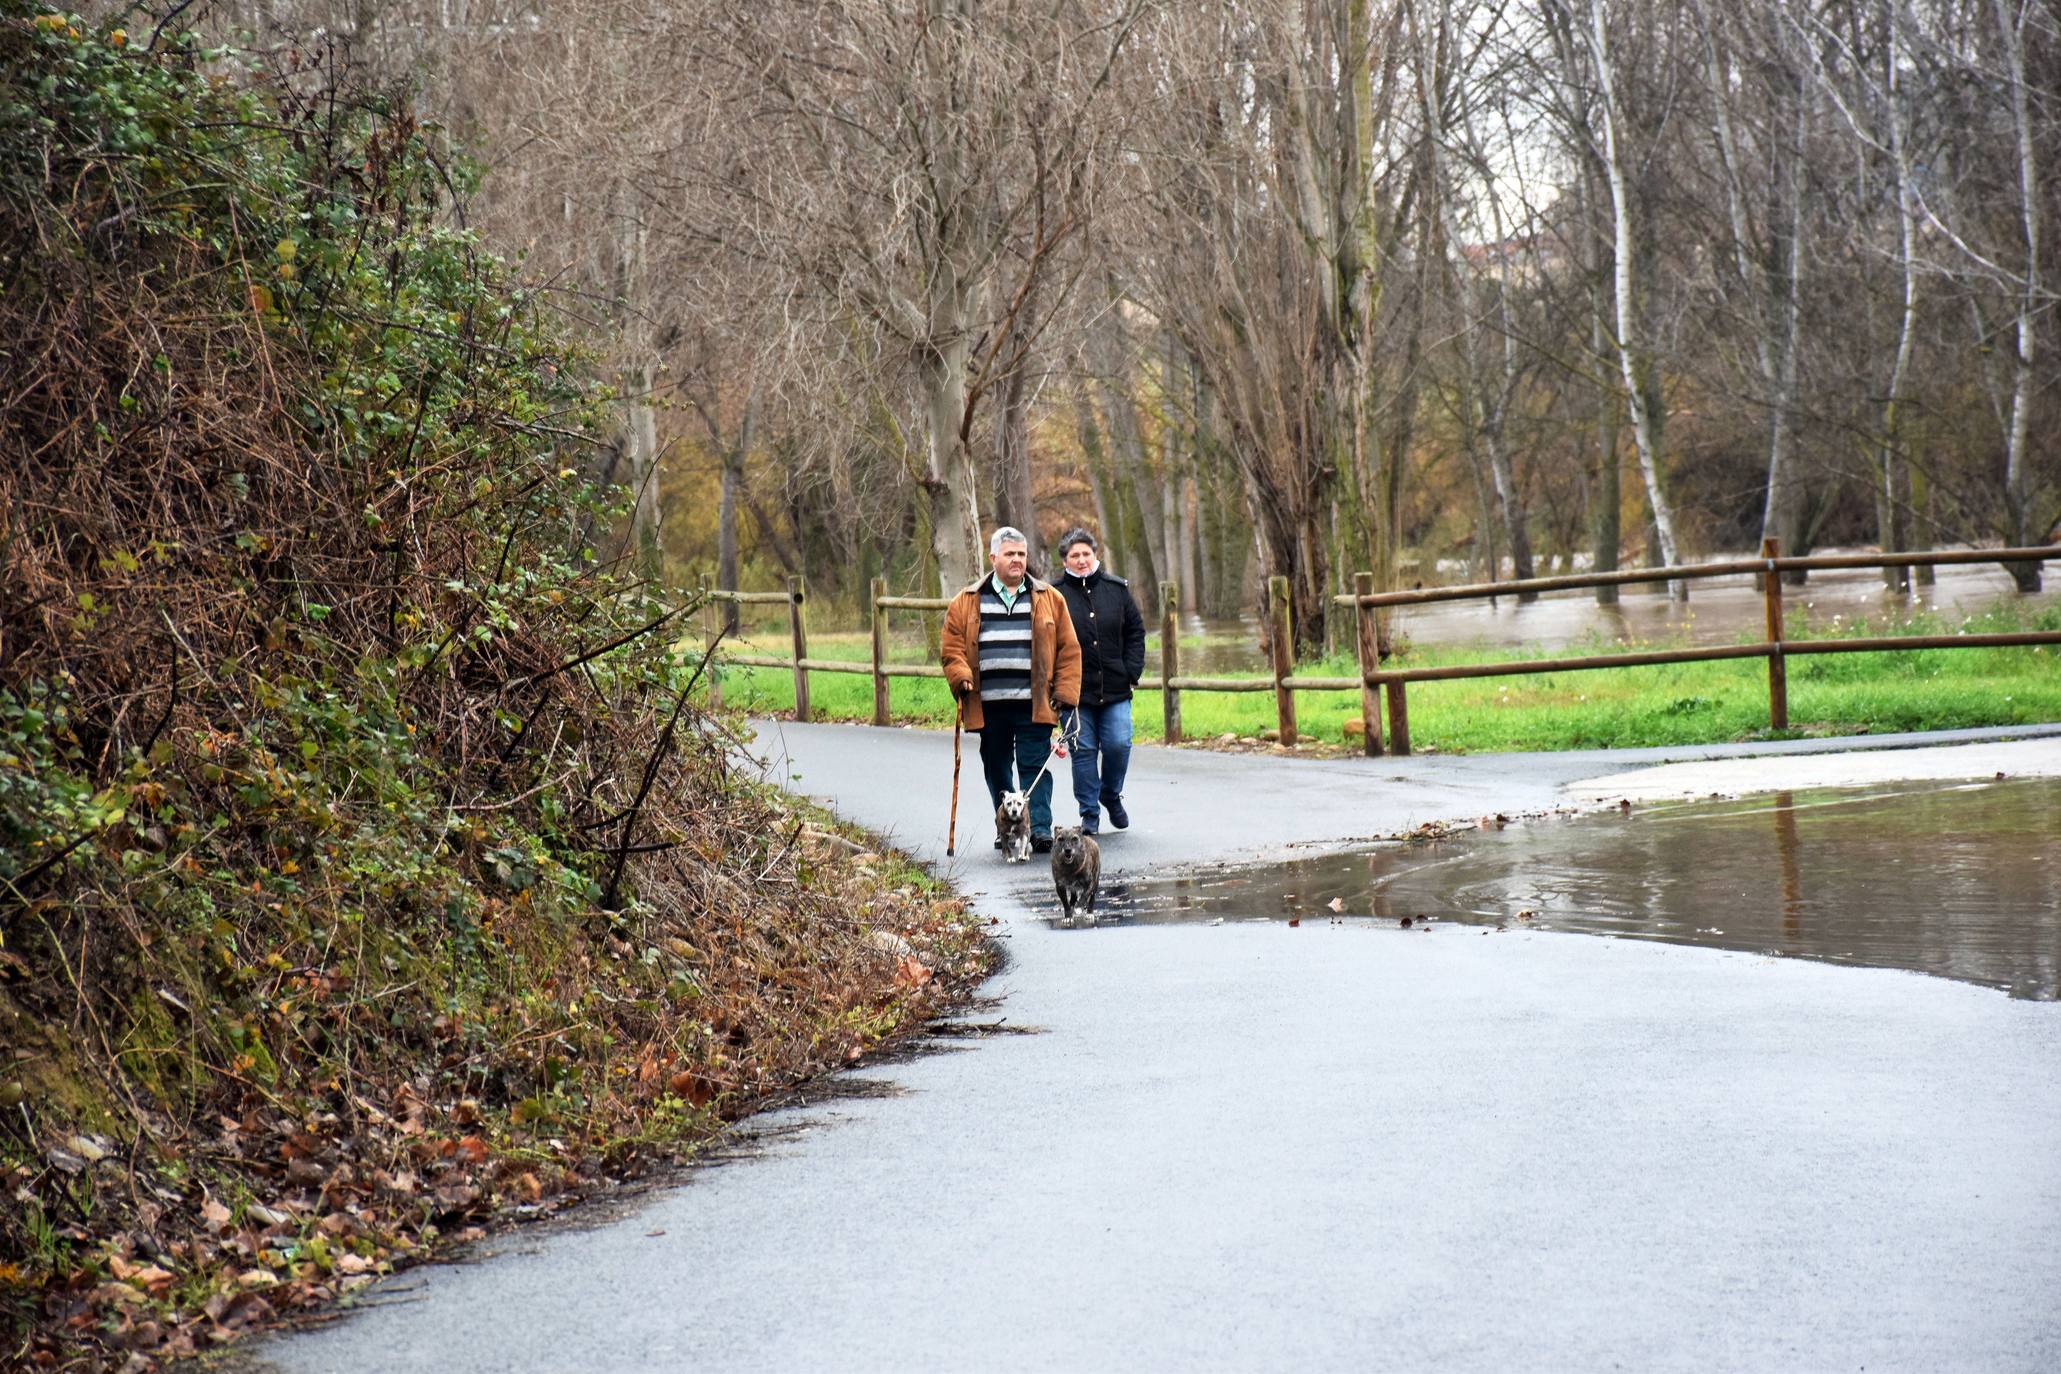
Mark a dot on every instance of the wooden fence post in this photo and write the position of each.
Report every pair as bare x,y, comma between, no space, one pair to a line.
1170,658
1778,670
1398,720
1281,649
1370,663
879,652
800,623
709,630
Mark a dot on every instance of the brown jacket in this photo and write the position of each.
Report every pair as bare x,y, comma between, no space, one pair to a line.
1055,653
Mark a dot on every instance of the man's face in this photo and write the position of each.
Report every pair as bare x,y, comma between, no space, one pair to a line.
1010,561
1080,559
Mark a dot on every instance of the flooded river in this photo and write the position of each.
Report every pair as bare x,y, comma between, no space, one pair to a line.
1719,611
1959,880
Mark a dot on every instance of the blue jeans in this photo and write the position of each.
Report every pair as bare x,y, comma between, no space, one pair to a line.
1013,748
1101,757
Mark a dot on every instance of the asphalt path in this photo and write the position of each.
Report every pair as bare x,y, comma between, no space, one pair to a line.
1337,1146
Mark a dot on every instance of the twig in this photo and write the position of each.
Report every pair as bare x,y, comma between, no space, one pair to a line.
610,897
615,643
176,11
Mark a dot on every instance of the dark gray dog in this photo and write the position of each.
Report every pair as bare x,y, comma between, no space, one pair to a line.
1076,872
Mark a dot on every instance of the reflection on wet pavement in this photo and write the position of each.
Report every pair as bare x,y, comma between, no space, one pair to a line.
1961,880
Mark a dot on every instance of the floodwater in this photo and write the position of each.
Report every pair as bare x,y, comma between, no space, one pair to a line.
1720,610
1959,880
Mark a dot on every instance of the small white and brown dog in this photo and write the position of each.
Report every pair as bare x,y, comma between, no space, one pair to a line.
1012,827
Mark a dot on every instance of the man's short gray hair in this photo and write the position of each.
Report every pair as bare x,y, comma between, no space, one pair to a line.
1008,534
1074,536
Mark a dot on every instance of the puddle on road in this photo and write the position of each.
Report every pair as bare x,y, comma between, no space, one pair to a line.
1960,880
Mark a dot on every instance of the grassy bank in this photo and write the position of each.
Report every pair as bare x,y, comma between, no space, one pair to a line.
368,874
1831,694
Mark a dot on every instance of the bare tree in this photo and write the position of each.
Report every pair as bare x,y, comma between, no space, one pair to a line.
1636,356
913,170
2012,19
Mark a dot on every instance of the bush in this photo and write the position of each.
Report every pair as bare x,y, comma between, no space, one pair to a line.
363,861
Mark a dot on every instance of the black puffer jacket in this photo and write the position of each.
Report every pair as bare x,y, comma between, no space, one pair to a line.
1112,635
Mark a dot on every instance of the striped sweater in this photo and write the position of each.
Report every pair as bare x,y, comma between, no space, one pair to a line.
1005,643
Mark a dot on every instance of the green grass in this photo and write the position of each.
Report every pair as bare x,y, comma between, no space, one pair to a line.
1829,694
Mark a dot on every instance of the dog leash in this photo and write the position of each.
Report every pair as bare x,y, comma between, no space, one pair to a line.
1069,737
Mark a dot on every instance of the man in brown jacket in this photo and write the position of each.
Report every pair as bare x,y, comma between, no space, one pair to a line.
1012,661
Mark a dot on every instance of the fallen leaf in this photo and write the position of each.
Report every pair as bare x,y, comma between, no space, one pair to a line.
1294,921
245,1309
696,1088
214,1216
152,1279
455,1197
1336,904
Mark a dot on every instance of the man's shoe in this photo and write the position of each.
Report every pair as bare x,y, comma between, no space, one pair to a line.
1041,844
1119,819
1089,826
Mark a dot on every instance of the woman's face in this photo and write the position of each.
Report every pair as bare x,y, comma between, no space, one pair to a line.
1080,560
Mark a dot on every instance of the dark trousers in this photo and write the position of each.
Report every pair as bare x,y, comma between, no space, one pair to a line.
1013,748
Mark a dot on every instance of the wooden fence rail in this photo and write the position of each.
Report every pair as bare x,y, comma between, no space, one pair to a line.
1377,684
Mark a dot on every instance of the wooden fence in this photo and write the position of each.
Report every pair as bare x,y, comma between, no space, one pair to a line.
1378,686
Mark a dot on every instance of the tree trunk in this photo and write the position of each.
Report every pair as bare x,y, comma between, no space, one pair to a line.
640,454
1891,486
1014,502
1496,449
1134,476
1293,545
2018,488
1767,276
949,488
1640,369
734,455
1108,506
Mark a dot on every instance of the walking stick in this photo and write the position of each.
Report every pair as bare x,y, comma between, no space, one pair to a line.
952,827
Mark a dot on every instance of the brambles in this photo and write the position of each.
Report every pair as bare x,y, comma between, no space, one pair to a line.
328,721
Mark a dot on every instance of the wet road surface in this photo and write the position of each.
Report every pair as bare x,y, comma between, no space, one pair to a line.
1257,1147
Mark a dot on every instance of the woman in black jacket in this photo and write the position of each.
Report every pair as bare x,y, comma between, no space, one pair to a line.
1112,636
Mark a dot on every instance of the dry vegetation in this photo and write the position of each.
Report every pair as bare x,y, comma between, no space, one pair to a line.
365,869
